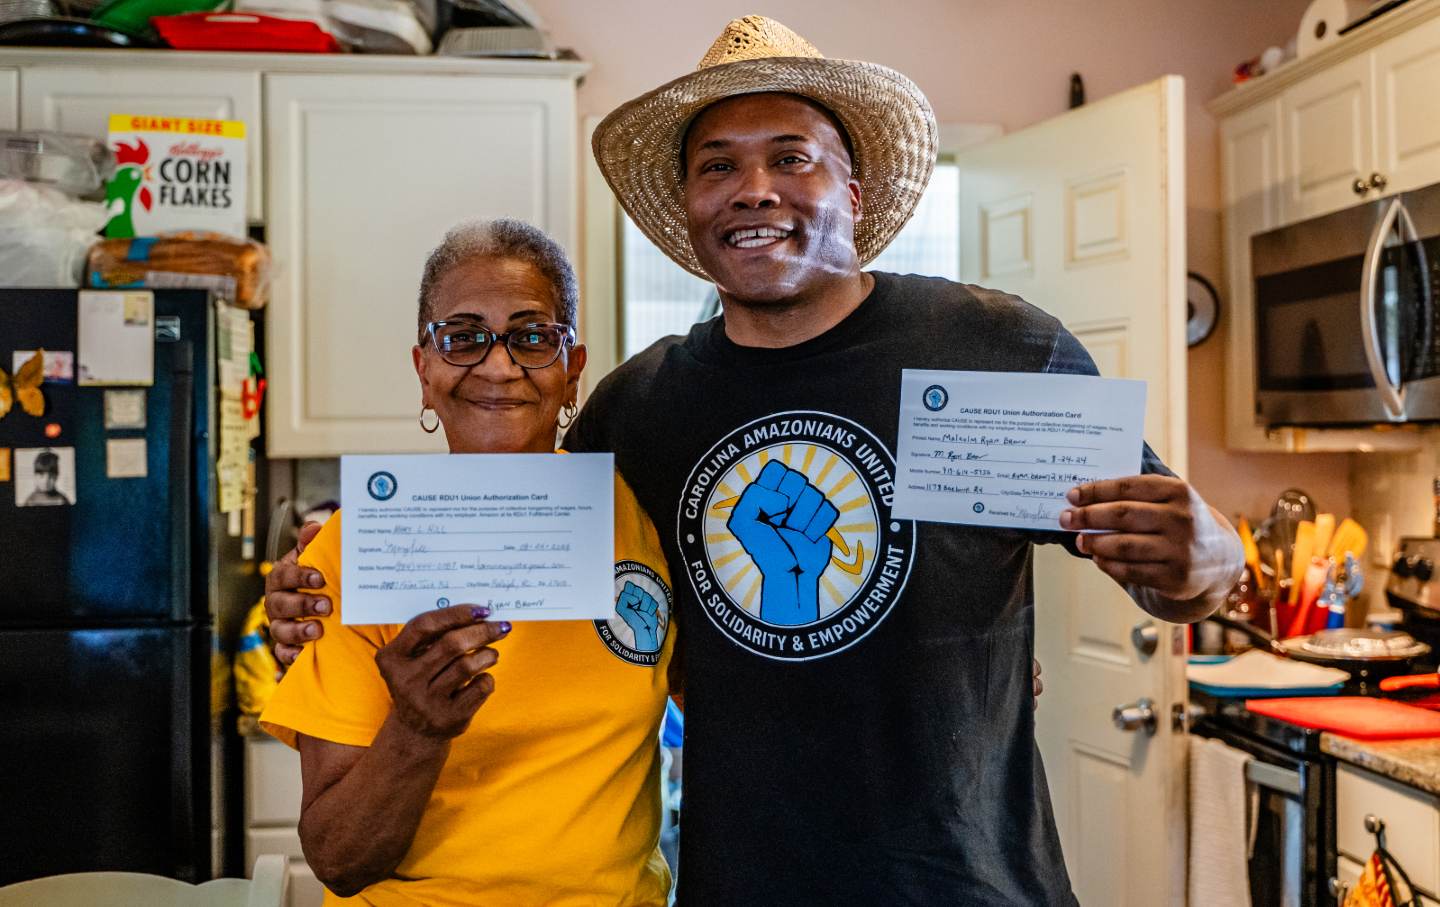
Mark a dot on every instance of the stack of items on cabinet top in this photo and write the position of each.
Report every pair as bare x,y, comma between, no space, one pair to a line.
461,27
168,193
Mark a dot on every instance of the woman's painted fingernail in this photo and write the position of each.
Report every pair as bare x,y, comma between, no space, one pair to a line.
314,580
504,626
311,631
479,613
322,606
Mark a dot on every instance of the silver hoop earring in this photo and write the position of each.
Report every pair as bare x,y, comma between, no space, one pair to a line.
568,412
429,429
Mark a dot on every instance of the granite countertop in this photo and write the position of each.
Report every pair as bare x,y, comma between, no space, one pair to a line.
1412,762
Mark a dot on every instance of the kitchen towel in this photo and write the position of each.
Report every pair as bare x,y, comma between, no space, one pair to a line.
1219,828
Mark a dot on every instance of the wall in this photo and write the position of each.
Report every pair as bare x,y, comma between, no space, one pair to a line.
1008,63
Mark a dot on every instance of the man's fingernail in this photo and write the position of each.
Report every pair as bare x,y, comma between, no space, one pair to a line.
504,626
479,613
314,580
322,606
1066,518
311,631
1073,495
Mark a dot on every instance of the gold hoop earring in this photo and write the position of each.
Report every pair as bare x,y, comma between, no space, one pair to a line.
569,411
429,429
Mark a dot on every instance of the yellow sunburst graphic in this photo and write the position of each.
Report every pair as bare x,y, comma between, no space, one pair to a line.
854,536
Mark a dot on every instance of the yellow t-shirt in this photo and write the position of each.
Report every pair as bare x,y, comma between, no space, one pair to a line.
552,796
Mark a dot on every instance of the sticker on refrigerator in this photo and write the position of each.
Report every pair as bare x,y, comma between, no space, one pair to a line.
24,387
4,464
59,365
125,458
117,338
125,409
44,476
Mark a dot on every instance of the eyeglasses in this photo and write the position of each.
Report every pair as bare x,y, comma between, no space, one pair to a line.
466,344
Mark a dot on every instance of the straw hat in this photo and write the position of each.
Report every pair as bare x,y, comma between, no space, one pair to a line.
890,123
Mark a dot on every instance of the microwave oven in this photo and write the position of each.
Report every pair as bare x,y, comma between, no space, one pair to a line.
1346,328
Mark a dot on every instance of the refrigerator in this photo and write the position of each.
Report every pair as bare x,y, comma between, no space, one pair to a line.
118,593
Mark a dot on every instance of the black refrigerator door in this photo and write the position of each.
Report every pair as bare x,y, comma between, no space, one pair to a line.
123,549
106,752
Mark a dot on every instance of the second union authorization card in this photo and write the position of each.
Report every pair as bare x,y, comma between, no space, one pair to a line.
1003,448
530,536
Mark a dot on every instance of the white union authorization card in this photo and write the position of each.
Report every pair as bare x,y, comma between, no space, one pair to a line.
530,536
1003,448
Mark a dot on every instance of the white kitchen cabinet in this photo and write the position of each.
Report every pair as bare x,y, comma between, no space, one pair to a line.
1329,139
364,180
1411,817
1293,145
80,99
1250,165
1407,108
272,815
9,98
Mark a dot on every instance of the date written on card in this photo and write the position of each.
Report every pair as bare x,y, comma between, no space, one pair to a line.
1003,448
529,536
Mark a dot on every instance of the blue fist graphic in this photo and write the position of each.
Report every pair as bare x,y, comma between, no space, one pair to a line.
641,613
781,521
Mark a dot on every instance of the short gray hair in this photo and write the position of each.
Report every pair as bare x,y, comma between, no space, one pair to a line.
503,239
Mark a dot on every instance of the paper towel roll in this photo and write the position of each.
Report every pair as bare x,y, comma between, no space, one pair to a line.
1323,20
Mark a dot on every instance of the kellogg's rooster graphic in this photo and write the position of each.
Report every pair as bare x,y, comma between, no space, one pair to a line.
131,173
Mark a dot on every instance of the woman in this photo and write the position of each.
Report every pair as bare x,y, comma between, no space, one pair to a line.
435,771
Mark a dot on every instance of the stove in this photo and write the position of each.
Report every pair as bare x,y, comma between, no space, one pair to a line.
1414,588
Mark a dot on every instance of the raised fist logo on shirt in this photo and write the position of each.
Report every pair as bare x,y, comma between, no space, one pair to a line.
781,521
641,613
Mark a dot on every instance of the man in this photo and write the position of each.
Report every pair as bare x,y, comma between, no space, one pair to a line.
858,712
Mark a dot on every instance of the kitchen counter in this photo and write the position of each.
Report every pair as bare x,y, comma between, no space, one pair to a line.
1415,763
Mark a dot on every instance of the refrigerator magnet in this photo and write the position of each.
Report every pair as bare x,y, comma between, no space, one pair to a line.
59,365
117,337
125,458
4,464
125,409
44,476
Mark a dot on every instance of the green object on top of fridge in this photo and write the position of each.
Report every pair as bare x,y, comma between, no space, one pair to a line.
133,16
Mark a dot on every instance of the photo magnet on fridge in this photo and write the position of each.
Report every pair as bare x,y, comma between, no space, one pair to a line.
59,367
44,476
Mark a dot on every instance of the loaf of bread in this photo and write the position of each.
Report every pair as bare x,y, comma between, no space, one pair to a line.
238,270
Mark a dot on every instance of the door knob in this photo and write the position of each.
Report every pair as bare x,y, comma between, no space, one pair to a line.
1146,637
1136,715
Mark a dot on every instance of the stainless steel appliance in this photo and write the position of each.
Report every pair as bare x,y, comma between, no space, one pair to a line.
1293,857
1346,324
1414,586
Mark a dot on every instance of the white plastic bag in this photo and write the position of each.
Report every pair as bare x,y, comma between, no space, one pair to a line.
44,235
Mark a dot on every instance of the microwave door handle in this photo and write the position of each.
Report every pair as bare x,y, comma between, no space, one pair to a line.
1391,396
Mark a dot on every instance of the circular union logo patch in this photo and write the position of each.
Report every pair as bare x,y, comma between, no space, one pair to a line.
935,398
635,631
786,534
382,486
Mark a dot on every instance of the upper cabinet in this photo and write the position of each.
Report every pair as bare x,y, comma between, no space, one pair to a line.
357,167
80,99
363,183
1328,139
9,98
1407,107
1352,123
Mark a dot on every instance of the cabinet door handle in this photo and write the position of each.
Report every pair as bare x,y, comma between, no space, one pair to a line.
1361,185
1378,182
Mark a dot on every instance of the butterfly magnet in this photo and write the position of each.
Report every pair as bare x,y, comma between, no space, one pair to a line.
24,387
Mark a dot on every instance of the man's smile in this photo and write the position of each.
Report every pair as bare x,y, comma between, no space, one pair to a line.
756,237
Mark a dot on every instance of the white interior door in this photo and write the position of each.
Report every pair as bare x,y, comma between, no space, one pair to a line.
1084,216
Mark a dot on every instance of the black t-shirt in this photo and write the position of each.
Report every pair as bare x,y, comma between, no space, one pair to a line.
859,727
